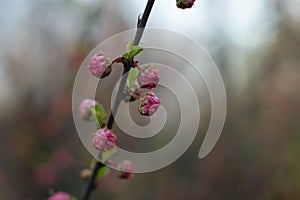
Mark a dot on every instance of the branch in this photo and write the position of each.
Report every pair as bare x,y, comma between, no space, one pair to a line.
90,187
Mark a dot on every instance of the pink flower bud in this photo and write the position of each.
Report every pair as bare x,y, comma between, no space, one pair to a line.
149,103
86,173
60,196
183,4
126,168
100,65
85,108
148,77
104,140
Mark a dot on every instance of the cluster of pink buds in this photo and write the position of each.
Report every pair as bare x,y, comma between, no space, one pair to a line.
148,78
104,140
183,4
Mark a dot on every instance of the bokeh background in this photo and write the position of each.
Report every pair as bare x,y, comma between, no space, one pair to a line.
256,45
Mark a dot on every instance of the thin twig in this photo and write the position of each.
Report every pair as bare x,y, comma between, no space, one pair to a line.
90,187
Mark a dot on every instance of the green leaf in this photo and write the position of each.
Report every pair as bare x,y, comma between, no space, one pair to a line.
132,86
129,45
135,51
132,51
99,114
102,172
107,154
132,78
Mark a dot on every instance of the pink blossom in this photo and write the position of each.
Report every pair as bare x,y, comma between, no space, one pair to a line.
104,140
127,168
183,4
60,196
149,103
100,65
85,108
148,77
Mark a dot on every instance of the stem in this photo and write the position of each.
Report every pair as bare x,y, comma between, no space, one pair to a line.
91,182
90,187
142,23
137,38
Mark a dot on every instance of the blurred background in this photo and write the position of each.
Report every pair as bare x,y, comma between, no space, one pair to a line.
256,45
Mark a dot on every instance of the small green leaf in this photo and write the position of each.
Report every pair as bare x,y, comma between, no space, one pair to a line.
126,56
135,51
132,51
132,77
107,154
129,45
132,86
99,114
73,198
102,172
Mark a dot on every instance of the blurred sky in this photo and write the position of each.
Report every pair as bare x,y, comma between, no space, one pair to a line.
233,20
9,22
239,18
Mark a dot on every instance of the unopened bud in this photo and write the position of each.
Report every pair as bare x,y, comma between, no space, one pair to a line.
126,168
104,140
183,4
148,77
149,103
85,173
100,65
85,108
